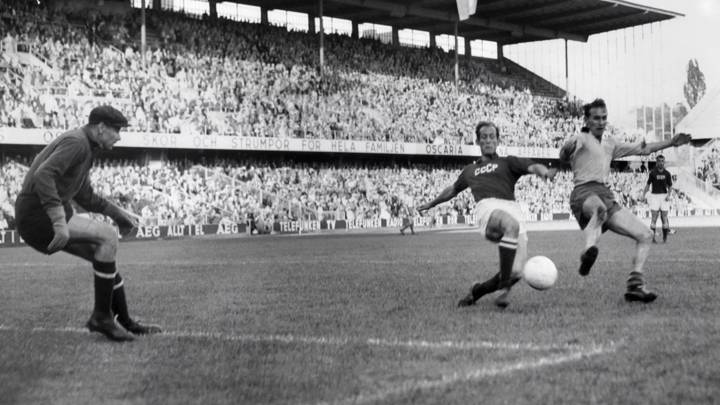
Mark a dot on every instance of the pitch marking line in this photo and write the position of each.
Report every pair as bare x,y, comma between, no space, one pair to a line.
477,374
329,340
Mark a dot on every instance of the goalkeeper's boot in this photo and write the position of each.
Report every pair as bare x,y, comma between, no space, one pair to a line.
137,328
639,293
587,259
107,325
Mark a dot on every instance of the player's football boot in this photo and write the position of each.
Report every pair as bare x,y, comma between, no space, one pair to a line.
639,293
107,325
467,301
587,259
137,328
503,300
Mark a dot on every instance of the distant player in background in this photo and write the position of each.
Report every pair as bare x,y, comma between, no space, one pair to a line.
593,202
492,181
408,220
659,198
46,221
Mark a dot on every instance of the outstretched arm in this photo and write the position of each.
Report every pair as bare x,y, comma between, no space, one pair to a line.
447,194
542,171
627,149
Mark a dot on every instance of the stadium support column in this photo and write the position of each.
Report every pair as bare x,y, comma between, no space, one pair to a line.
395,36
457,68
143,38
264,16
355,30
157,4
213,9
311,24
567,81
433,42
468,49
322,37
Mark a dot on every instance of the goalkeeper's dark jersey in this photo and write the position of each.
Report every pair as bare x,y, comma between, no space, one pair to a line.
493,178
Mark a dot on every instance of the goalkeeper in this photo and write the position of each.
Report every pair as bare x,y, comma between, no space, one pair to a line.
45,220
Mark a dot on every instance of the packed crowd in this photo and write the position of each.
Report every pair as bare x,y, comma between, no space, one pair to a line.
229,78
709,168
184,192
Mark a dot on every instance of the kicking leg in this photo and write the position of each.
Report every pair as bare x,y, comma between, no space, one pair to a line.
503,229
596,210
627,224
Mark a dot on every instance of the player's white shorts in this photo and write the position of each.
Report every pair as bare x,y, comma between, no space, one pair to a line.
486,206
657,202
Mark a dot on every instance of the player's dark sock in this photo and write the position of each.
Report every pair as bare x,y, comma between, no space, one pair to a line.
666,231
652,228
507,248
119,304
635,279
104,280
412,229
636,290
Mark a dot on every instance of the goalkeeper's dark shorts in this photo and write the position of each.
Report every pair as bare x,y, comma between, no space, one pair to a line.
33,223
584,191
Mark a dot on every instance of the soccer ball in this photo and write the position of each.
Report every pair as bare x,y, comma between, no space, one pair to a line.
540,272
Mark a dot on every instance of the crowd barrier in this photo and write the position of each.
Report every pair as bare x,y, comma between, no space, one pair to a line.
11,238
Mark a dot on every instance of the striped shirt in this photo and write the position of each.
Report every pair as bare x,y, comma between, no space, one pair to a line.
590,159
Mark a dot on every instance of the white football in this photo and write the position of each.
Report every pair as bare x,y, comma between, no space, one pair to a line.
540,272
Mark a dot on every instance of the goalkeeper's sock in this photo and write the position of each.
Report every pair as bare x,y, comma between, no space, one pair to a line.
508,248
104,280
119,304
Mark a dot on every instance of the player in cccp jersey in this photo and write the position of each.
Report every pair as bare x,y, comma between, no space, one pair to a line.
659,198
491,179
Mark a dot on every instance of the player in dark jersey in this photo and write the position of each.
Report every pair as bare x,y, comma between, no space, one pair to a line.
406,215
492,181
659,198
45,220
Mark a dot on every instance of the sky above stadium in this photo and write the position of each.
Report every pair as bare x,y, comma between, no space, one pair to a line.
693,36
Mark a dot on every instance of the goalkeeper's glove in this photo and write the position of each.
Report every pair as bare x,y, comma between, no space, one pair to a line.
60,228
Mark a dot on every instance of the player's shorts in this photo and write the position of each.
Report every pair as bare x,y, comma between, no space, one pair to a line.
485,207
584,191
406,221
33,223
657,202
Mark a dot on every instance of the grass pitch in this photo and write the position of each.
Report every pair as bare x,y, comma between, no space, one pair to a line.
364,319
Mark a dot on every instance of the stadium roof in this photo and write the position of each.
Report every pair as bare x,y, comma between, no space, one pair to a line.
501,21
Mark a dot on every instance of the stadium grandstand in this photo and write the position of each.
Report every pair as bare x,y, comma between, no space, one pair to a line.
275,153
241,112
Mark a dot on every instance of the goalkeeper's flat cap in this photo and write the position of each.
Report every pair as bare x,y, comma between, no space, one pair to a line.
107,115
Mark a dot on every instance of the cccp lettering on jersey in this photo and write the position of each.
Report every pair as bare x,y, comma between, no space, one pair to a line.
489,168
